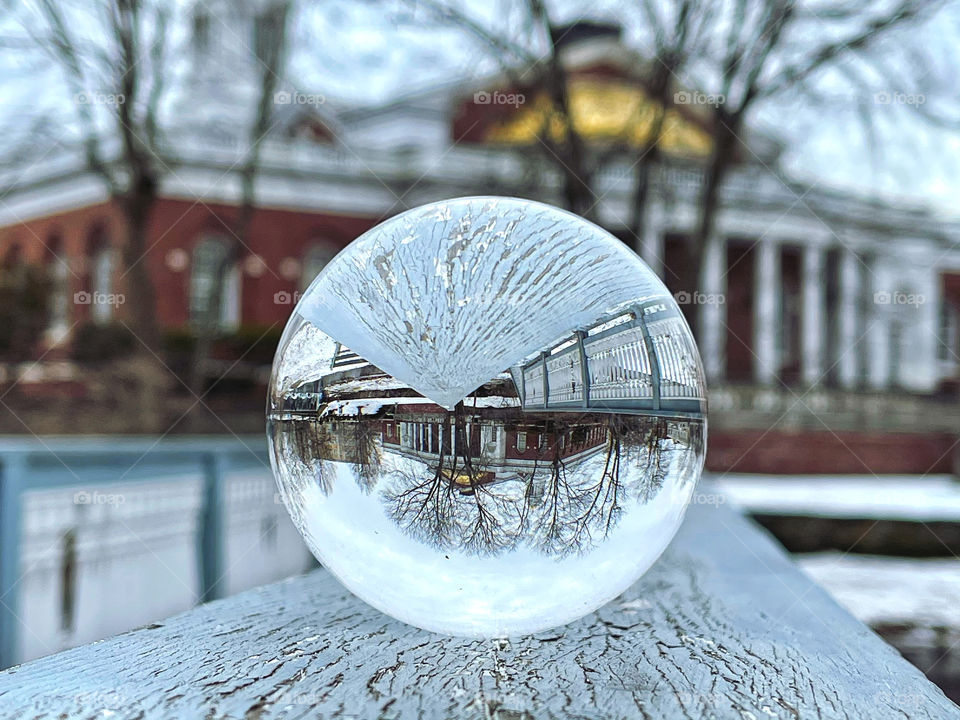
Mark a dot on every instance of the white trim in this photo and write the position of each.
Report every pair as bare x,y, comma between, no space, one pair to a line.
59,196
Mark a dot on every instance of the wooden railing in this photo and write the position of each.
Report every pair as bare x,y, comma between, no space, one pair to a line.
723,626
35,464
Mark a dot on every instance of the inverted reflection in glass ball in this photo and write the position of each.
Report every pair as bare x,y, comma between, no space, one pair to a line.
486,417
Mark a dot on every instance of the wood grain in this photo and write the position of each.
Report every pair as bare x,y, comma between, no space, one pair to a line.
723,626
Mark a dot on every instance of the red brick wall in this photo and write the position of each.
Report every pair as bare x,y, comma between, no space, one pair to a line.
67,234
274,235
758,451
178,224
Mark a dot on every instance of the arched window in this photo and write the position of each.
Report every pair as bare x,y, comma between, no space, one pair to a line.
316,259
102,261
58,275
211,266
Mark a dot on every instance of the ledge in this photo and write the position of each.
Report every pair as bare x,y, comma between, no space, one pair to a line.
723,626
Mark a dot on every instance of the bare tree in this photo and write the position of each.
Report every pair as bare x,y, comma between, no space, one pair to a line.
126,66
369,455
121,50
746,52
673,39
571,499
450,503
766,49
532,64
583,499
269,52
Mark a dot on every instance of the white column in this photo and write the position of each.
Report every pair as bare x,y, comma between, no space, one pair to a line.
848,353
813,319
879,313
652,241
712,313
766,312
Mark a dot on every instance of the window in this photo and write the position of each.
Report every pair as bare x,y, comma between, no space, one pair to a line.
58,271
101,310
948,335
12,257
211,271
521,442
948,340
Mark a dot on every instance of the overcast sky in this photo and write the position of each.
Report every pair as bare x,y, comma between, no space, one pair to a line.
364,53
379,54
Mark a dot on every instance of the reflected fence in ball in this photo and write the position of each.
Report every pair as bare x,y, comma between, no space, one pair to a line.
487,417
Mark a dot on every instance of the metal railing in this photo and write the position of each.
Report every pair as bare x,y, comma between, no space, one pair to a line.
38,464
647,363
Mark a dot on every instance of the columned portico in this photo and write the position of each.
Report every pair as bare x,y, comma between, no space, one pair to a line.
813,315
766,309
712,309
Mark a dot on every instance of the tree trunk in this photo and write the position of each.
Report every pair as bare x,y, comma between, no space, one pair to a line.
144,370
572,156
136,209
650,152
725,140
274,24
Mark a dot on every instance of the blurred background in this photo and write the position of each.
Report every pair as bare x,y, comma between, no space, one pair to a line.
173,174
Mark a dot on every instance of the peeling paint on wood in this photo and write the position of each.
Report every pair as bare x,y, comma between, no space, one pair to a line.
723,626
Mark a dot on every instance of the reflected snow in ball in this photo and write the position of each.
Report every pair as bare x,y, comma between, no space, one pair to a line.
486,417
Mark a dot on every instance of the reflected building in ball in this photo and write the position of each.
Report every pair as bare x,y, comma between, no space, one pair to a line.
457,431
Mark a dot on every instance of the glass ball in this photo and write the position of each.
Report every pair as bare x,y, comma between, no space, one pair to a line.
486,417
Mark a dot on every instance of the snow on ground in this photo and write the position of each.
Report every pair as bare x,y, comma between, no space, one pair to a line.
919,592
890,497
885,590
366,384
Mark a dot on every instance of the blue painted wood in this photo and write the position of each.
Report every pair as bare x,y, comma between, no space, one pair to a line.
723,626
12,481
90,462
210,550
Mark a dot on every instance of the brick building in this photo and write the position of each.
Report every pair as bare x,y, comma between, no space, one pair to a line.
834,321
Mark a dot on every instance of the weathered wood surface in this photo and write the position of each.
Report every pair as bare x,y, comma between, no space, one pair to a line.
723,627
